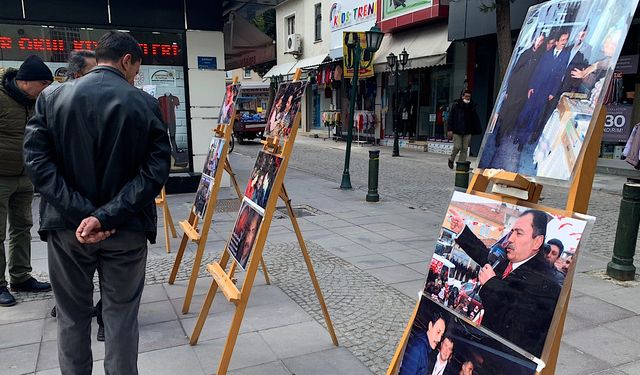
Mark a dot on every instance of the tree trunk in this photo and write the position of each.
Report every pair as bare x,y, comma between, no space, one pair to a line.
503,27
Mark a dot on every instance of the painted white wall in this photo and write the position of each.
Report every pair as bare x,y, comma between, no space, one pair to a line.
206,92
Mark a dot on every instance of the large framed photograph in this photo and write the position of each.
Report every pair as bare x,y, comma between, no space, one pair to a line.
203,194
503,266
556,82
213,156
262,178
442,342
228,104
286,106
245,232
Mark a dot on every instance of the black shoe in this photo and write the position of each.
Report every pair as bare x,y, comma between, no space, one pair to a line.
6,299
54,312
31,285
100,335
450,163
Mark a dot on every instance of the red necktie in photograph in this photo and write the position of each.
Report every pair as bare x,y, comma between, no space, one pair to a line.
507,271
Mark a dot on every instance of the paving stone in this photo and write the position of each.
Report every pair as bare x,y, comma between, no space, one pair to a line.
19,359
161,335
156,312
22,333
597,311
573,361
272,368
334,361
396,274
250,350
365,262
176,360
23,312
630,368
297,339
611,349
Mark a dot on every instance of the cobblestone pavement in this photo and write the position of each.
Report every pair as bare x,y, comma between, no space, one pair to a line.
424,180
353,297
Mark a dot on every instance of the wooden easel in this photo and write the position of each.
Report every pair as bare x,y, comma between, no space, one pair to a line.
190,226
166,218
224,280
577,202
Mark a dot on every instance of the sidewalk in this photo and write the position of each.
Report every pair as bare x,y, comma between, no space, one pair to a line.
371,260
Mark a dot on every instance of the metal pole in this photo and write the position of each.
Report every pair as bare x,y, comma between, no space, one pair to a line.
346,178
396,141
374,166
624,247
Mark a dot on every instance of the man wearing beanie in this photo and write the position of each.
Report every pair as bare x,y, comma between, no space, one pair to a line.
18,92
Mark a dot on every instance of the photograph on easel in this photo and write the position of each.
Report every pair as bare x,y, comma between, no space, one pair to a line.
262,178
245,232
558,78
213,156
202,195
442,342
228,104
503,266
286,106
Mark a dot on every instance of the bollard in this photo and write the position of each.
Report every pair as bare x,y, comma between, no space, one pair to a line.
624,247
374,165
462,174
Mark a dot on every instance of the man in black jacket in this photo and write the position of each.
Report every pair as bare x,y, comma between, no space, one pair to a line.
519,296
463,122
98,153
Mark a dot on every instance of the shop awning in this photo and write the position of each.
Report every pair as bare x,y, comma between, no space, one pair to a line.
311,62
427,46
281,70
245,45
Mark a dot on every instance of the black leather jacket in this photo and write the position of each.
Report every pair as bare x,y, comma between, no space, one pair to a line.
97,146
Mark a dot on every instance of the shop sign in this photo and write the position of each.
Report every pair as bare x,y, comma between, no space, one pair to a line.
207,62
367,58
349,12
627,64
617,125
163,77
394,8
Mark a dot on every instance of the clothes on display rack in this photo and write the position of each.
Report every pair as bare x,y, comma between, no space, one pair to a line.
365,121
168,104
330,118
632,149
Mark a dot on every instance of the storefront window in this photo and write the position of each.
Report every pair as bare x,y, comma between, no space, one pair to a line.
161,73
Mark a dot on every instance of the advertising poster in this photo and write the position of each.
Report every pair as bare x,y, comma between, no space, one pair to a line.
347,57
286,106
245,232
394,8
556,81
213,156
503,266
444,343
202,195
228,104
262,178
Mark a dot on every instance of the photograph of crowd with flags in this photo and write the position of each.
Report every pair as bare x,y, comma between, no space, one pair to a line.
262,178
558,78
228,104
503,266
286,106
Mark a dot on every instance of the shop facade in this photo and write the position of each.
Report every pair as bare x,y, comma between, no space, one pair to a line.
183,56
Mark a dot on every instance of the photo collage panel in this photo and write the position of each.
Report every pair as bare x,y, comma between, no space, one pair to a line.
558,77
245,232
228,104
286,106
262,178
503,266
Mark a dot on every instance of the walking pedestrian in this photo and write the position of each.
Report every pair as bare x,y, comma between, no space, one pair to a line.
97,150
18,92
463,122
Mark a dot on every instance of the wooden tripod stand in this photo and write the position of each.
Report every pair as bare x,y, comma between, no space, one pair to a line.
224,280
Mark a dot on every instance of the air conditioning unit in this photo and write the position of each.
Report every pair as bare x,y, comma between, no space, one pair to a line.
294,44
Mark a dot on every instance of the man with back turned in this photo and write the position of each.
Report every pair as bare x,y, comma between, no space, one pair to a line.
98,153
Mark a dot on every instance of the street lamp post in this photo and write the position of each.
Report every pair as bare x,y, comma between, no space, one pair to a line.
373,38
392,61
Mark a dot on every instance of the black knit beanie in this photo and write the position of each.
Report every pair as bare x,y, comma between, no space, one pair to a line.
34,69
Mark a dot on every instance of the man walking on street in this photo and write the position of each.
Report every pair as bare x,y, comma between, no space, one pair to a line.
18,92
463,122
98,152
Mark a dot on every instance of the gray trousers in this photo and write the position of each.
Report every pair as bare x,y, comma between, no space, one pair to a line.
121,261
460,144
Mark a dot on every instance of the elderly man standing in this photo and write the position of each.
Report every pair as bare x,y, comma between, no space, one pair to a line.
18,92
97,209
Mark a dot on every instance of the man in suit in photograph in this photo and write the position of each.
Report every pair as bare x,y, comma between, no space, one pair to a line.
519,295
440,363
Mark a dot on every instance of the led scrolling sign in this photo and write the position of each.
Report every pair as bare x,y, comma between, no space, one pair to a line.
59,45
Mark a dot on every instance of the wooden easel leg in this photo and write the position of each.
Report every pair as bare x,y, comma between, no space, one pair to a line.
264,271
395,361
197,262
193,219
307,260
165,220
234,181
170,221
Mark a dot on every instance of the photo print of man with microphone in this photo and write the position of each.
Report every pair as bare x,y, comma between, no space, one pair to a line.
491,267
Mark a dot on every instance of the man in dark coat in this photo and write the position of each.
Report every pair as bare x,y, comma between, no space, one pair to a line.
422,341
519,296
463,122
98,153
